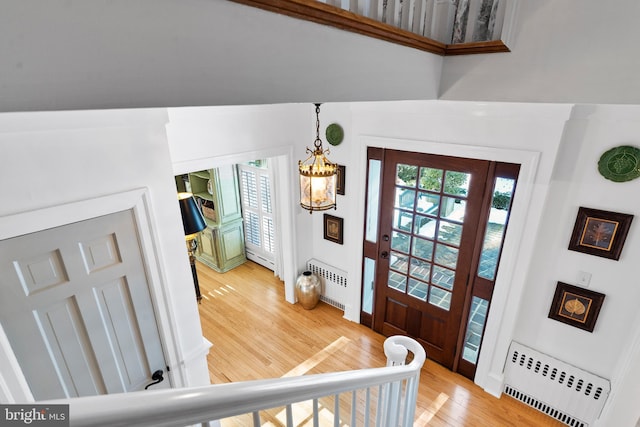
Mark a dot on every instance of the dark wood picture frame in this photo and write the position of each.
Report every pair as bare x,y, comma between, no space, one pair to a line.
340,180
600,233
576,306
333,228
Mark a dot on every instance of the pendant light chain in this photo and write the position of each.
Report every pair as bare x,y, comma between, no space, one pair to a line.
317,143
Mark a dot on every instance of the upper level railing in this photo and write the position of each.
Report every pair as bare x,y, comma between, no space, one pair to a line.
377,397
444,27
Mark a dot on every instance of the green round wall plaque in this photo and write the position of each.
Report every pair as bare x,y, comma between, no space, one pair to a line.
620,164
334,134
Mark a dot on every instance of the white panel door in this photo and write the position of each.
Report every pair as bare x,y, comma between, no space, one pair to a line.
76,307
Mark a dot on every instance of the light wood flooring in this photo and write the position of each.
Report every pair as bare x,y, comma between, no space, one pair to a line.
256,334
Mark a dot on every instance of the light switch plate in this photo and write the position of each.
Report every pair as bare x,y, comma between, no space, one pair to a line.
584,278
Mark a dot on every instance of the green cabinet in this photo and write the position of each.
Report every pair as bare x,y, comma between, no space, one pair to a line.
221,244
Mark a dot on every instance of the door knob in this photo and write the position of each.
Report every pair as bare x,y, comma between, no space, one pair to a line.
157,377
384,255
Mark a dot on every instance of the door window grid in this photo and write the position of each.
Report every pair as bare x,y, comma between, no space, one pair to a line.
420,217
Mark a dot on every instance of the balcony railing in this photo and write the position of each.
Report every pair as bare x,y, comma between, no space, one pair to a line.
380,396
443,27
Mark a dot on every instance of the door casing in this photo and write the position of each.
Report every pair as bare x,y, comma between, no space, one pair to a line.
509,286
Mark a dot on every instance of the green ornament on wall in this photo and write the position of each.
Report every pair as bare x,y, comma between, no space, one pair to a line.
620,164
334,134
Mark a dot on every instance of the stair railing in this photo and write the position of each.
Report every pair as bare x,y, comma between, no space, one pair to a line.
443,27
384,397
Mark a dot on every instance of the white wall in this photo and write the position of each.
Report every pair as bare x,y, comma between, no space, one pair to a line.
565,141
50,159
203,138
563,51
612,348
54,158
71,55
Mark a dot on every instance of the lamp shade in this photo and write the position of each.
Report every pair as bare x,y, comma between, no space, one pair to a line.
192,218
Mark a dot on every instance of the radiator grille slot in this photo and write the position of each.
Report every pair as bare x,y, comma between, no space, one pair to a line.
567,393
335,281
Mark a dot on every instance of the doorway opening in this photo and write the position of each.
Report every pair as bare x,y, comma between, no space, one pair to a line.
434,227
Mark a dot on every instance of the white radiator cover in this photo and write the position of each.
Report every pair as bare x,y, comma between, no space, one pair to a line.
567,393
334,282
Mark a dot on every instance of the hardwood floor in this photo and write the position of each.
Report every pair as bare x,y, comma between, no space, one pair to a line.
256,334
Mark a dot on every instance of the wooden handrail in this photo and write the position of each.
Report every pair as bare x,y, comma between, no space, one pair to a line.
322,13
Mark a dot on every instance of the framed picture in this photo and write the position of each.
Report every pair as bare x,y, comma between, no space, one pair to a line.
340,180
333,230
600,233
576,306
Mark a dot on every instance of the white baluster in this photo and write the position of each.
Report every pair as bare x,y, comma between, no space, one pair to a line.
289,416
354,407
417,21
406,13
316,418
443,16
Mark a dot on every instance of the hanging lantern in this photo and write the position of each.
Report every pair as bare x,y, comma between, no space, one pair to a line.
317,176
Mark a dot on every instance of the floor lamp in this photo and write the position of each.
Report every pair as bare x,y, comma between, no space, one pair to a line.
193,223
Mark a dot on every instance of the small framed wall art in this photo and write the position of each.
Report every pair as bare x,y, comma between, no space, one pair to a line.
601,233
576,306
333,229
340,179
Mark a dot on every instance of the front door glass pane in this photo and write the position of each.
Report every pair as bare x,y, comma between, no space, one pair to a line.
418,289
453,208
397,281
494,236
400,241
475,328
422,248
373,200
446,255
425,226
420,269
406,175
456,183
450,232
399,262
402,220
428,203
443,277
440,297
430,179
368,282
405,198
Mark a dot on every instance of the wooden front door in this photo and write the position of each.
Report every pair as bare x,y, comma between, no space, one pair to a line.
429,214
76,307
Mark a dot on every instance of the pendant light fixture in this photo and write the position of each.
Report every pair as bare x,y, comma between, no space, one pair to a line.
317,176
